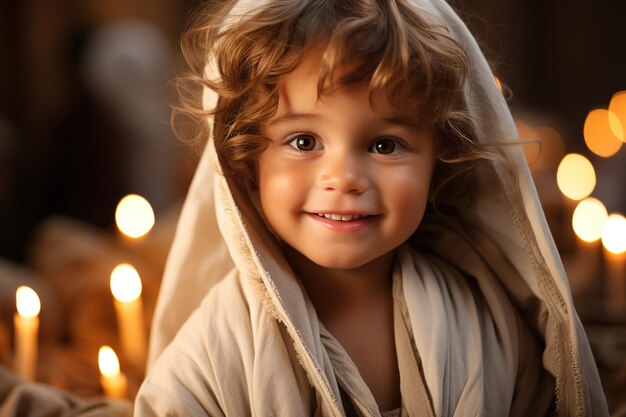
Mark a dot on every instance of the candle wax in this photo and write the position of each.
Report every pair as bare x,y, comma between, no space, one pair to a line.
26,330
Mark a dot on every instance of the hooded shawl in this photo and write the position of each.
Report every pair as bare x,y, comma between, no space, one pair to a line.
484,321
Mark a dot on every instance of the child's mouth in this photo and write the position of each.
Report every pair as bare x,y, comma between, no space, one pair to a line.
350,223
342,217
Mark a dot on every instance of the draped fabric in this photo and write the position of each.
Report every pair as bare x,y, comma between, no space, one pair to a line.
483,316
21,398
460,353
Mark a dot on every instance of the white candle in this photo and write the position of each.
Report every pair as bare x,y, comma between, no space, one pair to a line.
114,382
588,221
26,322
614,243
126,289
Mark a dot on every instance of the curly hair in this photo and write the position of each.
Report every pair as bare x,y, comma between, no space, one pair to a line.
398,50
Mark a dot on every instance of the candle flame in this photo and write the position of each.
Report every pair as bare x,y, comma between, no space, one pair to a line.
614,234
600,130
125,283
134,216
575,176
27,301
107,362
589,218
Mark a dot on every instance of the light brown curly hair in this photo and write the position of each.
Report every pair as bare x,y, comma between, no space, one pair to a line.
400,51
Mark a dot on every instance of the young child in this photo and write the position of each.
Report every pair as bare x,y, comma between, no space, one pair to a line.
387,251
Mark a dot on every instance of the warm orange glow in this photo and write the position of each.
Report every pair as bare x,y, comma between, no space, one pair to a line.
575,176
27,302
618,108
125,283
543,146
530,140
498,82
599,132
107,362
588,219
614,234
134,216
552,148
615,124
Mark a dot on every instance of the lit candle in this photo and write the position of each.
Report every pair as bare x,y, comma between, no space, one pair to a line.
614,243
113,381
587,221
576,179
26,322
134,216
126,289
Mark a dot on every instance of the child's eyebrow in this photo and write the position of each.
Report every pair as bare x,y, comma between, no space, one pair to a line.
292,117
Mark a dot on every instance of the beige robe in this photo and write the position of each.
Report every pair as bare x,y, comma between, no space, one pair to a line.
483,316
19,398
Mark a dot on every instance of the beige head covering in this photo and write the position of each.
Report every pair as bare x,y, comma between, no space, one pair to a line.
505,235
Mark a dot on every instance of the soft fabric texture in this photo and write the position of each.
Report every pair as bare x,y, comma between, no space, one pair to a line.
483,317
26,399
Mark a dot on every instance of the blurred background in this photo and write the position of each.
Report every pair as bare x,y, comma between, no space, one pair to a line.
84,121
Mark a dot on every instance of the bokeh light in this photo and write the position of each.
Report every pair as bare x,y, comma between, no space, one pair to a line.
531,145
575,176
544,147
614,234
599,129
589,218
108,362
27,302
552,148
134,216
617,107
125,283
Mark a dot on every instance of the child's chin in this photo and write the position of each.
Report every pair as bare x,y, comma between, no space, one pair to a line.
341,260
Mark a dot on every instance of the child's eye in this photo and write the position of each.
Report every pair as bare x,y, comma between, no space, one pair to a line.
305,142
384,146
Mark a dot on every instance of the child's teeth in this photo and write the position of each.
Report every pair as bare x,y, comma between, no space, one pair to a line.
341,217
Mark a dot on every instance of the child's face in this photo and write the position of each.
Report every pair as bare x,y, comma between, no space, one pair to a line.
368,170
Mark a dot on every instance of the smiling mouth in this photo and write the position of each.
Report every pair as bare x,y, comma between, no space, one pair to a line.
342,217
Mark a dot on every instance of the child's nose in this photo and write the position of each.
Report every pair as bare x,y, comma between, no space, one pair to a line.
344,173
